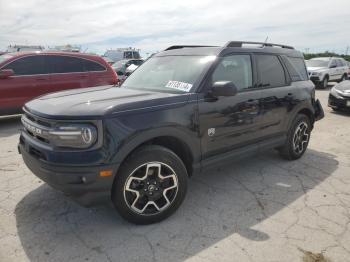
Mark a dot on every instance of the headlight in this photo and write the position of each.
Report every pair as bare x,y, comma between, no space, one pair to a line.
335,92
316,73
74,136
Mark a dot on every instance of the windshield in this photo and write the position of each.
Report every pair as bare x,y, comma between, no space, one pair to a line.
4,57
317,63
172,74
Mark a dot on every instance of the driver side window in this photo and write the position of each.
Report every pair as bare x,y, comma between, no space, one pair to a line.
235,68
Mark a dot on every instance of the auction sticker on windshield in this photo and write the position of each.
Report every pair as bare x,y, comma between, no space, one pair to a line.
182,86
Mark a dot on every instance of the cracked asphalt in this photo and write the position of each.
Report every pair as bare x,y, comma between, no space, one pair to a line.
257,209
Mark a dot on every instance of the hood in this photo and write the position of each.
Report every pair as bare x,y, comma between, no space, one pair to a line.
314,69
98,102
343,86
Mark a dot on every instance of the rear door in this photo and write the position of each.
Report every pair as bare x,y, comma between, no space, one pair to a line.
67,72
98,73
277,94
31,79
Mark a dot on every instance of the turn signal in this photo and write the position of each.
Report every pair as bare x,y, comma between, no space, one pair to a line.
106,173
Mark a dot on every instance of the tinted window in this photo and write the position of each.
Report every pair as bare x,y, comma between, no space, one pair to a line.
31,65
128,54
237,69
333,63
65,64
136,55
340,63
93,66
296,68
271,73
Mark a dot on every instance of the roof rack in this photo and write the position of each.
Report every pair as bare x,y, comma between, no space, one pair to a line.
263,44
186,46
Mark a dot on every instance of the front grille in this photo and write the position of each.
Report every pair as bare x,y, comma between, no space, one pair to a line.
37,127
40,121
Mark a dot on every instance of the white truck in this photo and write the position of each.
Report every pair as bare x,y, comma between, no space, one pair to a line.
321,70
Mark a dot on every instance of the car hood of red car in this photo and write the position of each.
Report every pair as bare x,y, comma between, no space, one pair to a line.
99,102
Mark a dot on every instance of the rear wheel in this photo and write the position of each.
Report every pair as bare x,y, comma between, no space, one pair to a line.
150,186
297,139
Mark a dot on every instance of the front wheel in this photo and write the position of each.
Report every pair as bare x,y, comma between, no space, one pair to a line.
324,83
150,186
297,139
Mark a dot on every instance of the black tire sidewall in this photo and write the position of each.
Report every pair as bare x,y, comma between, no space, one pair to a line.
152,153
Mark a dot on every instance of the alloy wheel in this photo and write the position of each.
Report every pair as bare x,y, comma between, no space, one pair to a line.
300,138
151,188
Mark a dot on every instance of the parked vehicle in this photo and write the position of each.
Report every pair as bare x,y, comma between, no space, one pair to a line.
185,109
339,97
118,54
125,67
26,75
324,69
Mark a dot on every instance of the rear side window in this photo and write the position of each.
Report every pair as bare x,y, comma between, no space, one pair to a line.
93,66
271,72
65,64
31,65
296,68
235,68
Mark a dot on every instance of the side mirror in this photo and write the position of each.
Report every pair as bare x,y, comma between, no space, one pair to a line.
333,66
224,88
6,73
120,73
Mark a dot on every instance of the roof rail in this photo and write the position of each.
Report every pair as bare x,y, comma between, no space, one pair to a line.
186,46
263,44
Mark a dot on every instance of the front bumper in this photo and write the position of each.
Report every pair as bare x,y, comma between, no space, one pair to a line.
339,102
319,113
81,183
315,79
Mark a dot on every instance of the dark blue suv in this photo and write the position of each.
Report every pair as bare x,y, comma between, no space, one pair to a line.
183,110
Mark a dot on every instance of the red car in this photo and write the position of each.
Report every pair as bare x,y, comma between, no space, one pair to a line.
26,75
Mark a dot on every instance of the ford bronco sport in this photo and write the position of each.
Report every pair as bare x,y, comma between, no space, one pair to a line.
183,110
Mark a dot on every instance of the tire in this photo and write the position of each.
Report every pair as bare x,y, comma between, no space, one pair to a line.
324,83
297,138
344,77
140,194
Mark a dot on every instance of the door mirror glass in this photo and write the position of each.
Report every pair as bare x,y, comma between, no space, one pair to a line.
6,73
224,88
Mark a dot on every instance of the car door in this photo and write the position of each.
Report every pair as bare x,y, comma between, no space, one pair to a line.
30,79
98,74
333,70
277,95
67,72
230,122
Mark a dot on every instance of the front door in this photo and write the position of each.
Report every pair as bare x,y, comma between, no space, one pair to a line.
230,122
30,80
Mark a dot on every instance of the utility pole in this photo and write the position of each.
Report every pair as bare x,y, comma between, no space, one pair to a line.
347,50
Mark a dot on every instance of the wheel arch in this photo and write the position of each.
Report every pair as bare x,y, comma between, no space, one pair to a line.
182,144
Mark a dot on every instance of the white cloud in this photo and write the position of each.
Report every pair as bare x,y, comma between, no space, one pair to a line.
155,24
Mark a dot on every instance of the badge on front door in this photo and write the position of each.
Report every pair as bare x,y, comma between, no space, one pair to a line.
211,131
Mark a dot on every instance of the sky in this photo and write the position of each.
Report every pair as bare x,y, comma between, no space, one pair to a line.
153,25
